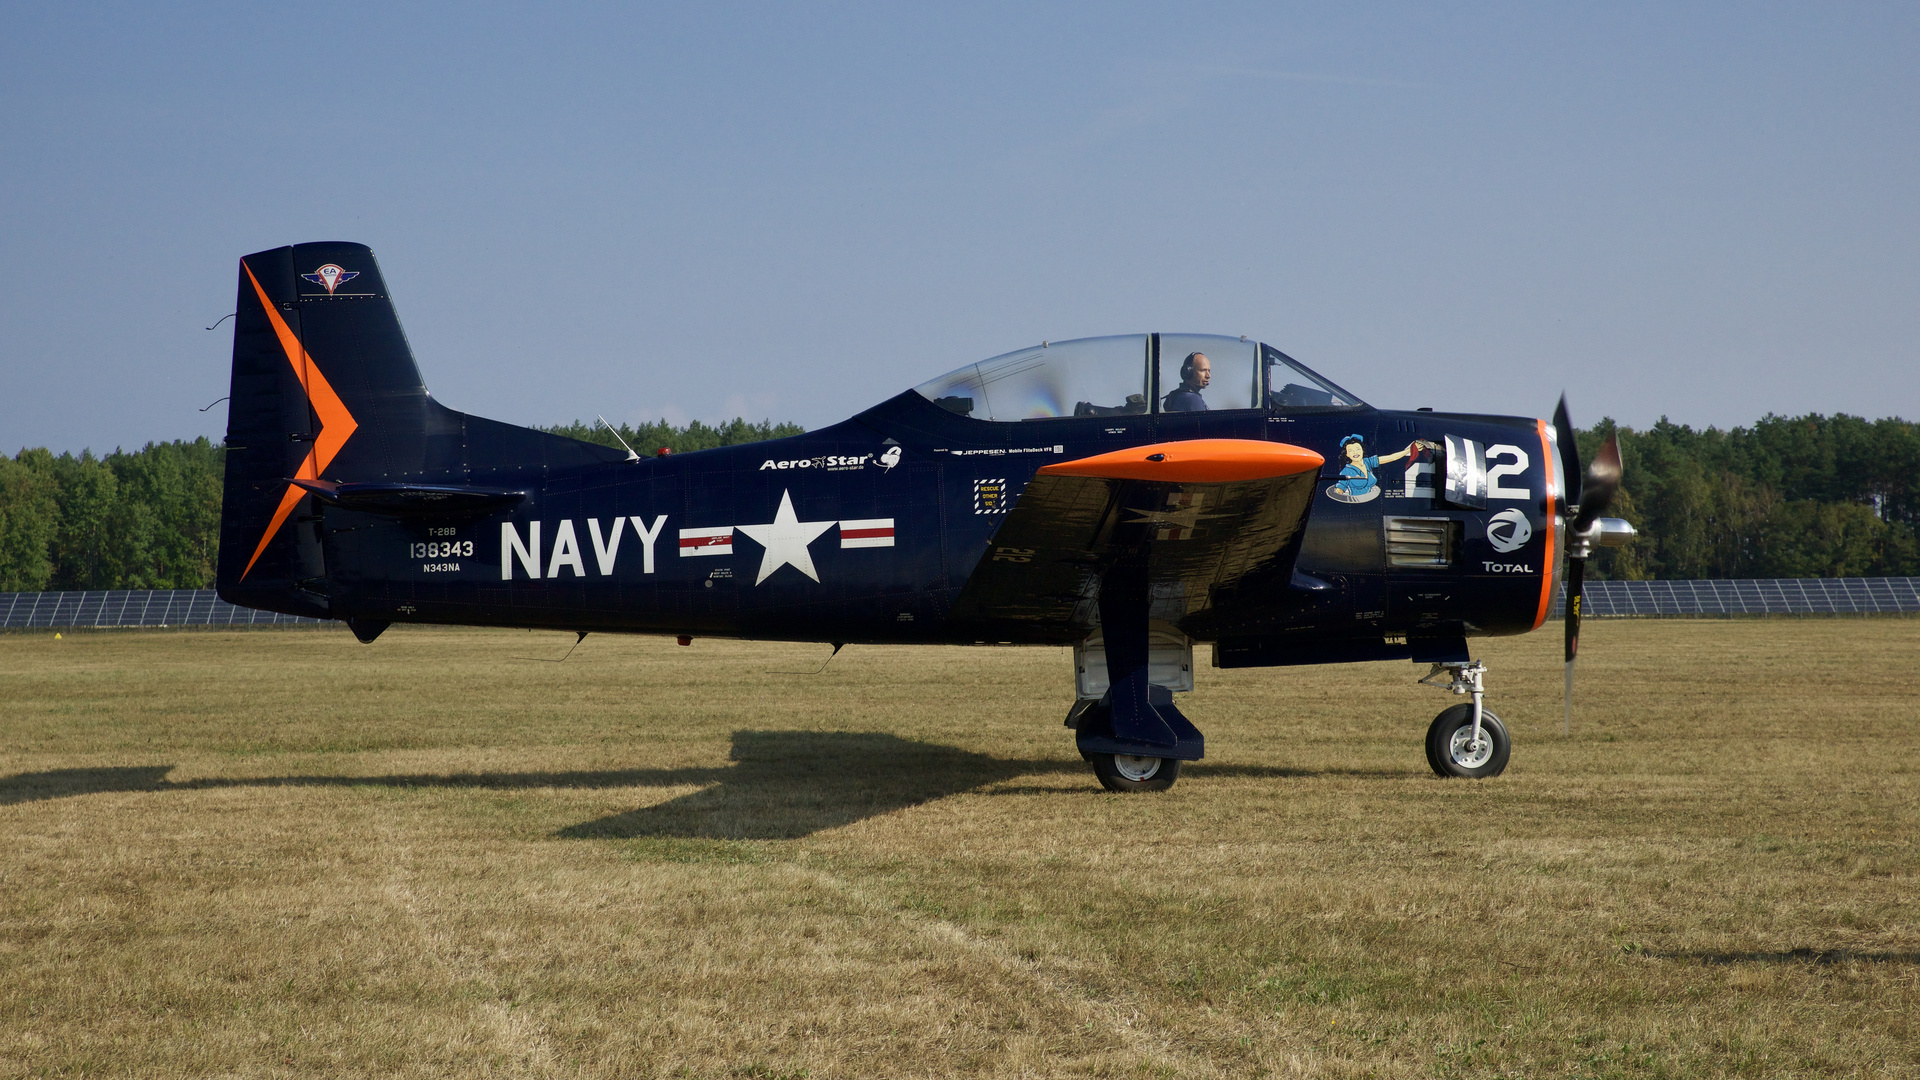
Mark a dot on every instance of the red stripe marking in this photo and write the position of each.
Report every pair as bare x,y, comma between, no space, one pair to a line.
707,541
864,534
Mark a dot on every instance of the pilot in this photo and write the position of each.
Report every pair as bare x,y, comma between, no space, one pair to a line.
1195,373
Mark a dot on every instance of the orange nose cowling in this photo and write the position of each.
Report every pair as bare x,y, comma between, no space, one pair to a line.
1194,461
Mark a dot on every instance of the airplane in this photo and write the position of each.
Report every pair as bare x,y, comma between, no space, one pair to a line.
1129,496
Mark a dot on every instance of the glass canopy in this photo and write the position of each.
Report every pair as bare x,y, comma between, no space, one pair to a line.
1115,376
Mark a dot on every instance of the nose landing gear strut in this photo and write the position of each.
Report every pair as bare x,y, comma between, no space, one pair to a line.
1467,739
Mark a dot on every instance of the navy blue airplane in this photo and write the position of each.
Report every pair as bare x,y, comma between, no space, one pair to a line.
1128,496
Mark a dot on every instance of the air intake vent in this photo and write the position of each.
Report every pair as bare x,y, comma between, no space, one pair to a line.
1421,541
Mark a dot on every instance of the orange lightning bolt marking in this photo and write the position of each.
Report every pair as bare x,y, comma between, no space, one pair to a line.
336,423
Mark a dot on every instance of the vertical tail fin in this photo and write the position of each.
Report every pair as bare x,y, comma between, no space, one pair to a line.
323,386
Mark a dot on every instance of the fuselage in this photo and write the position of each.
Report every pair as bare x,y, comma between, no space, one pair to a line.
868,530
1128,495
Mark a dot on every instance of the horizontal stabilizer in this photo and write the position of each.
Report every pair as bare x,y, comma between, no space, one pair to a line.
413,500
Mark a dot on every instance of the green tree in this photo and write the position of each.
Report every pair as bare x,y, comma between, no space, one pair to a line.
169,514
29,520
87,551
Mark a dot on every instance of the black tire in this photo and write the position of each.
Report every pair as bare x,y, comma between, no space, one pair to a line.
1448,744
1134,773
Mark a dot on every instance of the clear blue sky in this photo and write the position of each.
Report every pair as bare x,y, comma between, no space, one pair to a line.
788,211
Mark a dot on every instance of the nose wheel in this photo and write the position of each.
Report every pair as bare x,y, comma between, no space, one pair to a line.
1453,748
1466,740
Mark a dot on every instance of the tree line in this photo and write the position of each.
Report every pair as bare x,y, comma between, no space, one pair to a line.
1804,496
147,519
1808,496
649,439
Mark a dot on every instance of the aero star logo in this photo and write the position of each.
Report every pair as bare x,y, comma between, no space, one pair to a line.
837,462
831,462
331,276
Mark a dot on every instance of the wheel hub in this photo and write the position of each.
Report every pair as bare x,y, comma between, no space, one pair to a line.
1468,752
1136,768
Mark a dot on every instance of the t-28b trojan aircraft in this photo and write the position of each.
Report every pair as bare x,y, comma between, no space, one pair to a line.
1128,496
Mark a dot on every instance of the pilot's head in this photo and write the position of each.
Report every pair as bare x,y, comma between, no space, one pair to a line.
1196,371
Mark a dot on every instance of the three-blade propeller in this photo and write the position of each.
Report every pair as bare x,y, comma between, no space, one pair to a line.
1588,495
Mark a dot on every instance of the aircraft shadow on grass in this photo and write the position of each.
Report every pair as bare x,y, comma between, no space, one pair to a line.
781,784
61,783
788,784
1817,957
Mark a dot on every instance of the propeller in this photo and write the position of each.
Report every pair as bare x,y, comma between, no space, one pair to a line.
1588,495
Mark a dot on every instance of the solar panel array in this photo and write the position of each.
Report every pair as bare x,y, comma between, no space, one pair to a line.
1747,596
133,607
1743,596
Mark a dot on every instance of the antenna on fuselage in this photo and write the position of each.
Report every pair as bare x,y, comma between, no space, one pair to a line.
837,646
563,659
631,456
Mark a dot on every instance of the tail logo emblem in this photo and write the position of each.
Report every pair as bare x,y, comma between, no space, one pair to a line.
331,276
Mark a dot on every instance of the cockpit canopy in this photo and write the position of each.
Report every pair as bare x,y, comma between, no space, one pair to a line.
1133,374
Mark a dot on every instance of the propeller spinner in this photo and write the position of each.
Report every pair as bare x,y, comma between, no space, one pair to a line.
1588,496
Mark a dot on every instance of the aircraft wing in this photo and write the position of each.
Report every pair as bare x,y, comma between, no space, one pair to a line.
1205,519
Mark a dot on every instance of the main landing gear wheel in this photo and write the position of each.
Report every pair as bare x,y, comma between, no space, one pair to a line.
1125,772
1453,751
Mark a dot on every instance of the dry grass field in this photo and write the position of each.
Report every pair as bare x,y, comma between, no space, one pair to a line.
283,853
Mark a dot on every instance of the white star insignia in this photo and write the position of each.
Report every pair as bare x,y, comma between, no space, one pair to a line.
1182,512
1187,518
786,540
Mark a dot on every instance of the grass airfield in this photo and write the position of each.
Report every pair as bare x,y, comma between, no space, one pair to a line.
277,853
